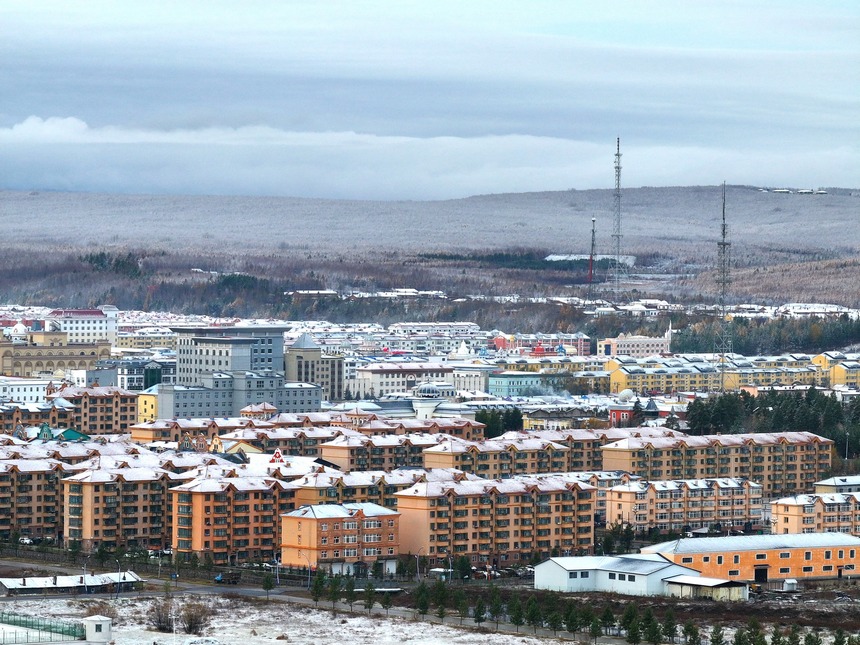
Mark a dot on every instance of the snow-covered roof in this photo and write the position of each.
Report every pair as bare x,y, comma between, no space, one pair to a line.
728,544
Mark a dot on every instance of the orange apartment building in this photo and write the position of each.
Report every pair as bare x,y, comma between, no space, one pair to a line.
30,498
827,513
497,521
687,505
228,519
499,458
118,507
175,429
762,558
376,487
299,442
13,415
781,461
347,539
379,452
99,410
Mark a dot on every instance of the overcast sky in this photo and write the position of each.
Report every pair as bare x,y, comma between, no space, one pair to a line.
426,99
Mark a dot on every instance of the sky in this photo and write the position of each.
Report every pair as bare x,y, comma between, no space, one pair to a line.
426,99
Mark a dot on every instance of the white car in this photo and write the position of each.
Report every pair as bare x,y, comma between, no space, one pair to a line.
25,540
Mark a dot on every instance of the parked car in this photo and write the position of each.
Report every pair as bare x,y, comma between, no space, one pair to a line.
25,540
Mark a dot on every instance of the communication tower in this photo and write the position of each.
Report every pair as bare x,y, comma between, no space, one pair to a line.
619,271
591,261
723,340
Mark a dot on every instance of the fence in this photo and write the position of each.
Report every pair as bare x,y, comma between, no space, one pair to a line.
39,630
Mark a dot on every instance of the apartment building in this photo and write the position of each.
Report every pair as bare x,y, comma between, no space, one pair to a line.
297,441
781,462
496,522
228,519
838,484
30,498
118,507
346,539
146,338
99,410
56,414
499,458
826,513
375,486
762,558
719,504
305,361
379,452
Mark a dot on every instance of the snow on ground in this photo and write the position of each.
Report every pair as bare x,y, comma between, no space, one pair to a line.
238,622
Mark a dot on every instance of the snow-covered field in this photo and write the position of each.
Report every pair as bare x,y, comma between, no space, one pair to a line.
237,622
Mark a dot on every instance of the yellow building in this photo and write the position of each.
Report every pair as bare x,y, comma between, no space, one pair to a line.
686,505
828,513
780,461
348,539
497,521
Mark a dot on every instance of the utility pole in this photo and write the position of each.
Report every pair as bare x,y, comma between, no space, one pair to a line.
724,279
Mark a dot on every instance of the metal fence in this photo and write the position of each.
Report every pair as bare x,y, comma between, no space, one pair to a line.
40,630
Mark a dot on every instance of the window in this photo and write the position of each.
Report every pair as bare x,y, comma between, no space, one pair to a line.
573,574
828,554
631,578
687,560
719,559
759,556
734,572
622,576
807,555
785,569
785,555
706,558
736,559
807,569
612,576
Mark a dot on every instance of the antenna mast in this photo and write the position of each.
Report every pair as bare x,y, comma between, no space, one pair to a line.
591,262
724,279
616,226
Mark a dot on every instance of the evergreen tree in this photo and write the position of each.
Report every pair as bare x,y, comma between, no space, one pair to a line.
369,596
776,637
595,630
479,614
634,635
717,635
607,619
653,633
268,584
631,614
571,618
440,612
812,638
439,593
533,613
839,637
793,635
422,599
386,602
333,590
741,637
495,607
670,625
755,635
515,612
554,621
461,604
350,595
318,587
691,634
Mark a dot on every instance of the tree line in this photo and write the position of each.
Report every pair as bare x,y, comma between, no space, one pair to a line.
774,411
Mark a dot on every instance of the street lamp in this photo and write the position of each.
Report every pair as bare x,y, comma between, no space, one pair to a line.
86,562
304,555
418,563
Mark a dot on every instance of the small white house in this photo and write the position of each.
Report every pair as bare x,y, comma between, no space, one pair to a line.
636,574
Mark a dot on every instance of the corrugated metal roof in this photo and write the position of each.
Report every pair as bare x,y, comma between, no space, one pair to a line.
754,543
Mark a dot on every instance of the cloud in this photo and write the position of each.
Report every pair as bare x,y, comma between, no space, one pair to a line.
67,154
